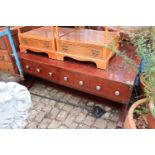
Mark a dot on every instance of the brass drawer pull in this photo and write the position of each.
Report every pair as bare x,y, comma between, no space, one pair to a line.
81,83
50,73
38,70
95,53
24,41
27,67
65,48
98,88
46,44
65,78
117,93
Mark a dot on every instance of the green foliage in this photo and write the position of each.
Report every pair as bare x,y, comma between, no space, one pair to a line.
144,42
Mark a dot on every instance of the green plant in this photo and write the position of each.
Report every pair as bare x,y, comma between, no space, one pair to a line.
144,43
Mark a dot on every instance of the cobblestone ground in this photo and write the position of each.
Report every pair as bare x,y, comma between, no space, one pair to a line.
51,114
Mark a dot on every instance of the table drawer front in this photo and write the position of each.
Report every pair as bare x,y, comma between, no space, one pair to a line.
81,82
36,43
28,66
81,50
66,78
40,70
50,73
98,86
119,92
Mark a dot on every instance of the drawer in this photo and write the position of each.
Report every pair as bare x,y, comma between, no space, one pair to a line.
81,50
50,73
81,82
36,43
66,78
119,92
98,86
27,66
40,70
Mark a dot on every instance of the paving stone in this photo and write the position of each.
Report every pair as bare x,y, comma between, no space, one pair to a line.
83,101
93,127
90,103
54,112
44,124
67,107
100,123
40,106
59,95
32,125
45,113
100,105
111,125
80,117
45,101
40,116
59,105
74,100
114,117
76,111
49,88
33,105
84,111
62,116
53,92
63,127
69,120
106,116
39,85
52,103
89,120
35,98
33,90
107,108
66,97
54,124
73,125
83,126
32,115
47,108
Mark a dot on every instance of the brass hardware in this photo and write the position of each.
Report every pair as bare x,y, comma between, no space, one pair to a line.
65,48
95,53
46,44
98,88
38,70
65,78
27,67
24,41
81,83
50,73
117,93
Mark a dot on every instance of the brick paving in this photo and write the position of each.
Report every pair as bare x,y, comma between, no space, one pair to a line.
56,114
51,114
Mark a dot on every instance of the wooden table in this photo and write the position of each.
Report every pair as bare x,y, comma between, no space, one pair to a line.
115,83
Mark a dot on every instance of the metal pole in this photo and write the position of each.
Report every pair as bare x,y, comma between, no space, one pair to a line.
14,51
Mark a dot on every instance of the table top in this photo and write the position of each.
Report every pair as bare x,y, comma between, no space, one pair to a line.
46,32
88,36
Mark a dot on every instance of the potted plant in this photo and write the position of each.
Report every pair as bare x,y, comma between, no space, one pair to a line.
142,113
144,43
